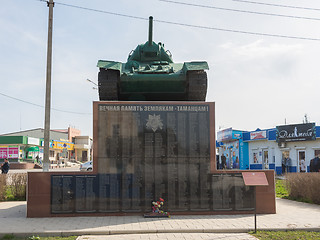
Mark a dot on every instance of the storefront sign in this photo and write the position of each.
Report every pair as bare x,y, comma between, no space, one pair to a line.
236,136
224,135
62,145
297,132
258,135
33,141
9,152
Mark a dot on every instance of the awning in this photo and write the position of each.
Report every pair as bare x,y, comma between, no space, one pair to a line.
32,149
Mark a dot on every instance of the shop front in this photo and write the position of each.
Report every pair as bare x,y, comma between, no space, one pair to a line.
286,148
262,148
298,144
10,152
60,151
19,148
232,150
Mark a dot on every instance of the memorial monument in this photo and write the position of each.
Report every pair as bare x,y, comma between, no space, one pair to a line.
153,138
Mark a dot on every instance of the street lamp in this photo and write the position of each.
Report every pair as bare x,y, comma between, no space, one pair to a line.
95,88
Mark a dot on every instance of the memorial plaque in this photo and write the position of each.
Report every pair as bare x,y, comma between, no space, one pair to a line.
183,180
62,194
182,135
244,195
193,136
85,193
221,192
172,183
160,150
230,193
204,136
109,192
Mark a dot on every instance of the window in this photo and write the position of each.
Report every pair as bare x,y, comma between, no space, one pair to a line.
255,156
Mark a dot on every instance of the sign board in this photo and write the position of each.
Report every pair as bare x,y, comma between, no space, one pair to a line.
297,132
255,179
33,141
224,135
10,152
62,145
258,135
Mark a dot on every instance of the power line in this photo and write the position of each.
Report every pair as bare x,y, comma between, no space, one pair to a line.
237,31
97,10
189,25
278,5
38,105
237,10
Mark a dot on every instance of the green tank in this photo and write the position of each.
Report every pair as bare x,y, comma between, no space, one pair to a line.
151,75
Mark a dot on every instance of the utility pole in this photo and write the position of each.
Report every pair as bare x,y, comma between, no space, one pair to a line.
46,162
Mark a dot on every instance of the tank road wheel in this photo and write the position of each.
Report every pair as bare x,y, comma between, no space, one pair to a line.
197,85
108,84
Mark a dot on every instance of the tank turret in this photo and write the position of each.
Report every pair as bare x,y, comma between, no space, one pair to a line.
150,74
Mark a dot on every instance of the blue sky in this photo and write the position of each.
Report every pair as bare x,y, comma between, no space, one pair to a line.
256,81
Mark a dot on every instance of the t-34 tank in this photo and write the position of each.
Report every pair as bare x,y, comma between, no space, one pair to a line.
151,75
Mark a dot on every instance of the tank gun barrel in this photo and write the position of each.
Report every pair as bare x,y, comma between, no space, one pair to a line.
150,30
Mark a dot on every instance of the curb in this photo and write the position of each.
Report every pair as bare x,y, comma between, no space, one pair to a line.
148,231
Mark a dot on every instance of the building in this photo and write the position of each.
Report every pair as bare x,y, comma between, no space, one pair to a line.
28,145
19,148
83,148
262,147
284,148
232,150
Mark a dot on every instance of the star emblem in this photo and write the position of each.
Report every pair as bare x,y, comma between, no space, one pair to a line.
154,122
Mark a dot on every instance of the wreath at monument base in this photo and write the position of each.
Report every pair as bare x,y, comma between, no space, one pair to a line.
156,210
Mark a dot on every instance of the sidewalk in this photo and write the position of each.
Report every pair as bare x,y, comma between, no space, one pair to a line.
290,215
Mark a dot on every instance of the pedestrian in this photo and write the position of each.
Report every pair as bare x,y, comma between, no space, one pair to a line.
316,164
311,165
288,164
283,165
223,161
5,166
302,165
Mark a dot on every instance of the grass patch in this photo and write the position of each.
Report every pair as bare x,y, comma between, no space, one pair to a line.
288,235
13,187
281,189
12,237
300,187
11,196
304,187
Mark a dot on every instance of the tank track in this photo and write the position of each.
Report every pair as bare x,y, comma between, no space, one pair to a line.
108,85
197,85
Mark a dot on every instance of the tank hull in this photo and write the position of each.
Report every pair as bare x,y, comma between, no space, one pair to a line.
191,86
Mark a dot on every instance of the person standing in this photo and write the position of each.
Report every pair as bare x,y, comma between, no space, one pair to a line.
288,164
302,165
223,161
5,166
283,165
316,164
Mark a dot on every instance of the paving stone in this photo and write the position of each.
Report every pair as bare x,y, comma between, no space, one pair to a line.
290,215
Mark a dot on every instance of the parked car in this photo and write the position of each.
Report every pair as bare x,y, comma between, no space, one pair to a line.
87,166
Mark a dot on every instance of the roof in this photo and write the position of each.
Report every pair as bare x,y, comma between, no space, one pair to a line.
34,129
